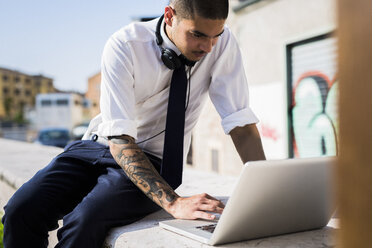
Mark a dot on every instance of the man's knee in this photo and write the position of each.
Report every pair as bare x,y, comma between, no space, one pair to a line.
26,208
18,209
23,226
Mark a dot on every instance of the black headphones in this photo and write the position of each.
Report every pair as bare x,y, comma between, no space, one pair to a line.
171,61
168,56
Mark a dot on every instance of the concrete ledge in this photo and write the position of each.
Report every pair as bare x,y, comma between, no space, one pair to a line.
147,233
19,161
10,179
157,238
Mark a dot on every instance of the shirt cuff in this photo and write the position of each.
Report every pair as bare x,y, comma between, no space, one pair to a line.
117,127
238,119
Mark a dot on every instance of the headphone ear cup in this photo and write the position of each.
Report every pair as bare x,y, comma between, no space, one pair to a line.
170,59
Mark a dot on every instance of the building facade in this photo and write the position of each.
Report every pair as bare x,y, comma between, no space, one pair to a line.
18,91
93,94
289,54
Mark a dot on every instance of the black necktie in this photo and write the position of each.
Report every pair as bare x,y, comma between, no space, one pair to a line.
172,164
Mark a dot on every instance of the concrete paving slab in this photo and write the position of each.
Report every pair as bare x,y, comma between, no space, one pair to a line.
19,161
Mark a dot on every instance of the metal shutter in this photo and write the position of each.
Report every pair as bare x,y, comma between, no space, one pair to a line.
312,91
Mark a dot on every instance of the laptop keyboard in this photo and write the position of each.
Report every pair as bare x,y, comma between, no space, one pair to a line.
208,228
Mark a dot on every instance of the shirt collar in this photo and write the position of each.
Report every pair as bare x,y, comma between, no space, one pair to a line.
167,43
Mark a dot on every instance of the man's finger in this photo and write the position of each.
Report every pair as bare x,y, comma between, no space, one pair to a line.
211,208
209,197
204,215
206,196
213,202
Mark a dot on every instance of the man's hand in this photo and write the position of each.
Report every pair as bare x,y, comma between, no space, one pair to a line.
196,207
143,174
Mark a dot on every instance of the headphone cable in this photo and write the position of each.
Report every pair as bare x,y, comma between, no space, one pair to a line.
187,104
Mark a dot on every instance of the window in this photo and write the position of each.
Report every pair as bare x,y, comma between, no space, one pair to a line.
17,92
5,91
46,102
62,102
28,81
17,79
86,103
5,78
243,4
28,93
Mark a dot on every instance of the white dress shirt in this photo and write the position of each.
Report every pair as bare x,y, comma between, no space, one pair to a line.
135,87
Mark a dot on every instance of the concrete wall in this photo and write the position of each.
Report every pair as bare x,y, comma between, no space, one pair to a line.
263,30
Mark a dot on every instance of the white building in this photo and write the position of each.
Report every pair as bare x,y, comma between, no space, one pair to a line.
63,110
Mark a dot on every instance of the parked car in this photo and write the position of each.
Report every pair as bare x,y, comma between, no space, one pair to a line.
78,131
53,137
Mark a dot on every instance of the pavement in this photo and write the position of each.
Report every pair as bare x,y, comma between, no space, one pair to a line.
19,161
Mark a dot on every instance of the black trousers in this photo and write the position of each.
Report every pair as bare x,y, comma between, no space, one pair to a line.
86,188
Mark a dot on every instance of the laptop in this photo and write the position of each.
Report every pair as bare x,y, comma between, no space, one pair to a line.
270,198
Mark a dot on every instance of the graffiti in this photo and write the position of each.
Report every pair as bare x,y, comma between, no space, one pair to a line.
315,118
268,132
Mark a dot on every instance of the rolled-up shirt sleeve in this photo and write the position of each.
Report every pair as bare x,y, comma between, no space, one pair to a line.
117,100
229,88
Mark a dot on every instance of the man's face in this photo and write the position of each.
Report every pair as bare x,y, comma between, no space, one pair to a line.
195,38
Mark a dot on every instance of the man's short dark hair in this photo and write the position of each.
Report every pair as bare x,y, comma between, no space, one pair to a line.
210,9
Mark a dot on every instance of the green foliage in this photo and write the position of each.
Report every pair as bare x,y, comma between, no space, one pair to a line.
7,106
19,118
1,232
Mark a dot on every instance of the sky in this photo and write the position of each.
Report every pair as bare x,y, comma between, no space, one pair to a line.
64,39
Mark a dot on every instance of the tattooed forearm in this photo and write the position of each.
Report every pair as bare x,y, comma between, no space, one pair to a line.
140,170
138,157
152,184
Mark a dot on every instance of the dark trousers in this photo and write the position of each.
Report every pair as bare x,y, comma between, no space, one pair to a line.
84,186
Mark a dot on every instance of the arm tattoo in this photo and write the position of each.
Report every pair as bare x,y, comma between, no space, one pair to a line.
140,170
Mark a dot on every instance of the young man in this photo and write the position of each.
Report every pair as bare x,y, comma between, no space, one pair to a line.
131,166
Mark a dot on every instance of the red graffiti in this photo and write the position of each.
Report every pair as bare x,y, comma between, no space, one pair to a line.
268,132
311,74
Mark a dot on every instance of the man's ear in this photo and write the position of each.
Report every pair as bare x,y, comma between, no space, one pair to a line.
169,14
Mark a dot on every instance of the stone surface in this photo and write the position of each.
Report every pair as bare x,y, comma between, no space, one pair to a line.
5,193
156,237
147,233
19,161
